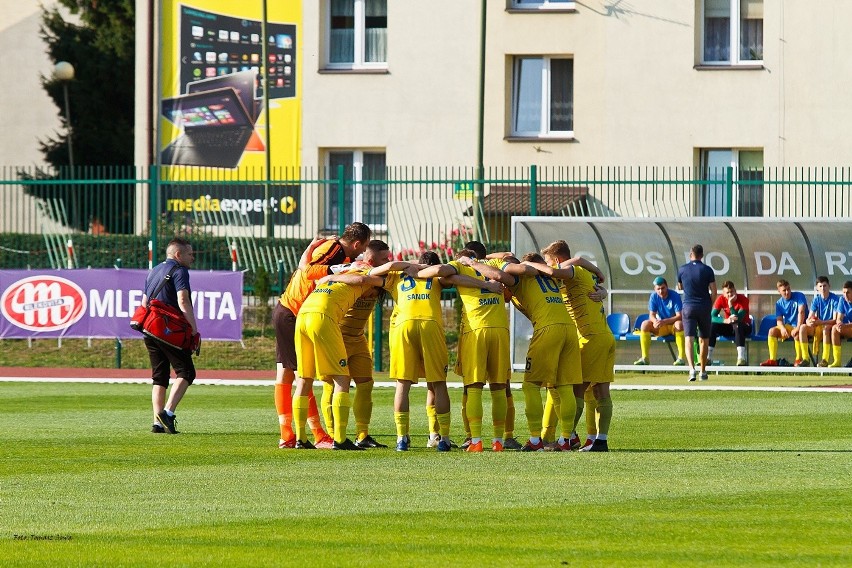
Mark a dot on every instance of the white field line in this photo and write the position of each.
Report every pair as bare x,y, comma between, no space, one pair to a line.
389,384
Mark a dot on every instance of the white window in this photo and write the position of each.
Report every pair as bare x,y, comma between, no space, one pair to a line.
357,34
718,196
542,4
365,196
543,97
732,32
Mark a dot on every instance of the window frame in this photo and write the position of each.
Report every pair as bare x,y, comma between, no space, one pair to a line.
543,5
359,40
734,31
743,204
354,185
546,88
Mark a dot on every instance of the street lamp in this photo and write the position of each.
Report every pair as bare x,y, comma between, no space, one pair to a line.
64,71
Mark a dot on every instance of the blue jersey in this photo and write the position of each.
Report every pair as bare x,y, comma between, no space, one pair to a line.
695,278
179,281
667,307
844,308
788,310
824,308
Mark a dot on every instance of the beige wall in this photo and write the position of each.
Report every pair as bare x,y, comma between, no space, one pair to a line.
27,114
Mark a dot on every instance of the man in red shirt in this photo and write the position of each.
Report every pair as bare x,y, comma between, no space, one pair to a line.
730,318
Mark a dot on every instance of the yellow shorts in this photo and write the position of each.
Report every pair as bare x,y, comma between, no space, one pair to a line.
418,348
358,357
458,368
553,357
319,347
485,353
597,353
665,330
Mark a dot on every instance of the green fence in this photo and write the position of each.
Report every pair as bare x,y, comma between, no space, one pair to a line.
245,220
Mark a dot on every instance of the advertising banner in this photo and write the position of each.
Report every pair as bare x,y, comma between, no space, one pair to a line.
98,303
230,99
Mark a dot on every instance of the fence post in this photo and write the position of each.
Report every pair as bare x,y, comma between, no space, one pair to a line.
729,191
533,190
233,256
341,199
117,353
153,190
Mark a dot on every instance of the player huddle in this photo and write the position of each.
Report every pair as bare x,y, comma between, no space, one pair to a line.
321,318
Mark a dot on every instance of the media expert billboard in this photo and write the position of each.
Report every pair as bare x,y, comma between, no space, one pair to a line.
214,111
99,303
222,204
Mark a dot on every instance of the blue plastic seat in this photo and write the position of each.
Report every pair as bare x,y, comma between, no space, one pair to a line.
766,323
619,324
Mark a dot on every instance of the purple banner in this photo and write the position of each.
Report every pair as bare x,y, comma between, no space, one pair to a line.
98,303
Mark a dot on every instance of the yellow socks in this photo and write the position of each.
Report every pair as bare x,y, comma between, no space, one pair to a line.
680,341
498,413
465,420
432,418
772,342
551,415
401,421
300,414
591,405
474,411
604,416
510,414
566,409
577,413
645,343
340,409
325,404
533,408
362,408
444,424
837,351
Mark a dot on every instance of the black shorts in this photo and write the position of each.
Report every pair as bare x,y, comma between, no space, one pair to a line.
162,356
697,317
284,324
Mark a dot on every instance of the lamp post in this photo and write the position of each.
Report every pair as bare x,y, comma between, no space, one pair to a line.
64,71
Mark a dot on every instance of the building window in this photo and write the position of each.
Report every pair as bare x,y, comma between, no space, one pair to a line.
543,97
732,32
357,34
542,4
718,197
364,195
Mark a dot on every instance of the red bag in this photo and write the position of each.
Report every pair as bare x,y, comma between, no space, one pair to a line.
167,325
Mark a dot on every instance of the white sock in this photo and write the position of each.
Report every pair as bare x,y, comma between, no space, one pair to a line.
741,352
602,437
169,412
710,353
535,440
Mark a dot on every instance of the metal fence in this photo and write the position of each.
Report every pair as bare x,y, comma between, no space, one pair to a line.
244,220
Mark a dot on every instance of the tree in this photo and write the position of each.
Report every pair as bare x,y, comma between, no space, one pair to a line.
99,43
101,48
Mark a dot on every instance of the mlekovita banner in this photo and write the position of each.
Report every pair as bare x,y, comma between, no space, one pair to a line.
98,303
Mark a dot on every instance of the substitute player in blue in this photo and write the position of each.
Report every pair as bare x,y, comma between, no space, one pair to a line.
698,283
791,310
843,326
820,320
664,318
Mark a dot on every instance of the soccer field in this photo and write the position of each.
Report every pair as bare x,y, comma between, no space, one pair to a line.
695,477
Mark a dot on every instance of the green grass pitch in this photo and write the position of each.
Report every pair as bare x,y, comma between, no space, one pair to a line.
694,478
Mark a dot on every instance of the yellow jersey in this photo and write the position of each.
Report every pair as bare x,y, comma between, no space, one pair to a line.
334,299
482,308
589,315
414,298
538,298
355,320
